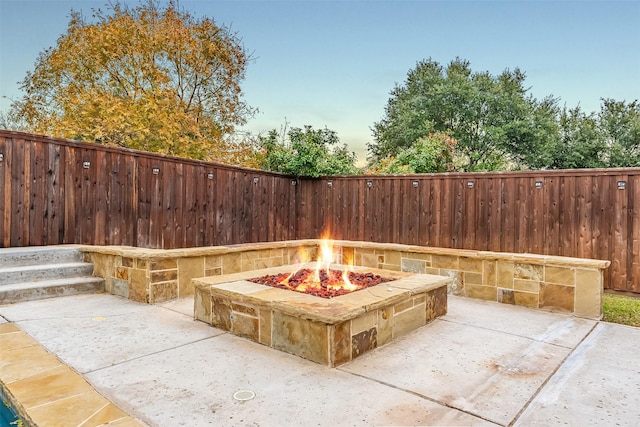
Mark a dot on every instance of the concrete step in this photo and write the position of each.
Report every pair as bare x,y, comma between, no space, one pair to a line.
17,292
33,273
35,255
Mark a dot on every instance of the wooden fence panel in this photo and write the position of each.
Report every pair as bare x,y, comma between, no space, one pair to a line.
49,195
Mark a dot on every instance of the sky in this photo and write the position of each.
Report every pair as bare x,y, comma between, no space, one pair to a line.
333,63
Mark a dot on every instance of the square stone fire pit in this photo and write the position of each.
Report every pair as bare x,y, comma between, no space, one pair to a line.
328,331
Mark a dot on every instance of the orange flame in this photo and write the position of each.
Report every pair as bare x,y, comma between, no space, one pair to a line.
325,258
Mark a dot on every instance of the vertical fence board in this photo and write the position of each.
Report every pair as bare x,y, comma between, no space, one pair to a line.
619,246
633,237
6,148
37,215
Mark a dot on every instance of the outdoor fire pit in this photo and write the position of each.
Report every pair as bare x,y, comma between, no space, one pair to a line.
327,321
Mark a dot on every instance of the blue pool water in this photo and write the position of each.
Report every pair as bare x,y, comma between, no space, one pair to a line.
7,417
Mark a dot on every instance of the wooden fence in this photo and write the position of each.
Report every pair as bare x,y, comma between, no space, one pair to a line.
57,191
578,213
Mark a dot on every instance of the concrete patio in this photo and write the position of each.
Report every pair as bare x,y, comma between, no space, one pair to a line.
484,363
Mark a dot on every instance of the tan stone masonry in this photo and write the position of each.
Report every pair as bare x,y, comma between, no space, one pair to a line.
573,285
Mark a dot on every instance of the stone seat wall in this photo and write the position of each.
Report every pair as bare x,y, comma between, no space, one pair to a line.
571,285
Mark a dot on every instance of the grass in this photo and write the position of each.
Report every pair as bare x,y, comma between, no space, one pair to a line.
621,309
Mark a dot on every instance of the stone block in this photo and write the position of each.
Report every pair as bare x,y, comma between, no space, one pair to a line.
413,266
473,265
301,337
526,285
409,320
142,264
445,261
122,273
252,255
402,306
230,263
528,271
221,312
127,262
589,290
139,286
340,343
120,287
189,268
202,305
472,278
217,271
276,253
391,267
505,272
212,261
436,303
385,325
164,291
489,273
163,264
247,265
303,254
557,297
457,281
418,255
364,322
348,255
560,275
245,326
419,299
488,293
265,326
363,342
267,262
247,310
509,296
392,258
368,259
163,276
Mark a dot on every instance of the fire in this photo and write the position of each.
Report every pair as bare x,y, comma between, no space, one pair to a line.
320,279
322,270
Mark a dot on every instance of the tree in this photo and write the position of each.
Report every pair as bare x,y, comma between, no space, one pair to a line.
620,124
149,78
9,121
580,143
495,123
307,152
610,138
431,154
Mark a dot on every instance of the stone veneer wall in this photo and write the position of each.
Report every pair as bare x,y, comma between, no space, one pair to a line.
572,285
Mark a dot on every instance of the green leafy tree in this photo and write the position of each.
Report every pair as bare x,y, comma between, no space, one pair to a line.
307,152
146,77
620,123
431,154
610,138
581,144
495,123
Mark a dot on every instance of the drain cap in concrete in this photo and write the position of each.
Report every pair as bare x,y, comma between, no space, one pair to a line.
243,395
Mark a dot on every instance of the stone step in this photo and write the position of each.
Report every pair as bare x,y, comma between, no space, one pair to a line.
33,273
35,255
17,292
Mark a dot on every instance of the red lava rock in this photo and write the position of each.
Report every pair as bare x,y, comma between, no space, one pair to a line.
328,285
